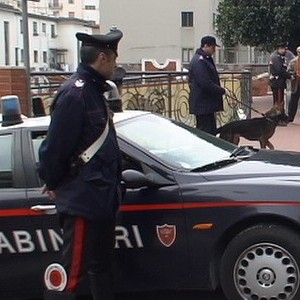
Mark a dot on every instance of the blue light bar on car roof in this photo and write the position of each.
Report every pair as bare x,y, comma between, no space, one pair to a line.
11,110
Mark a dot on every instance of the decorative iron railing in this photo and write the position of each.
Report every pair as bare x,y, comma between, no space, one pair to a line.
166,93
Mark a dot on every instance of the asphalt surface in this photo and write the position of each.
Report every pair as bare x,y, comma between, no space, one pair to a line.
173,295
285,138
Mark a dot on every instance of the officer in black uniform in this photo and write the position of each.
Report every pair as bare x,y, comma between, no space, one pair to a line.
205,89
279,74
86,194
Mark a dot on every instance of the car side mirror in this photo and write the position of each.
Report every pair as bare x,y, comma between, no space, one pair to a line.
135,179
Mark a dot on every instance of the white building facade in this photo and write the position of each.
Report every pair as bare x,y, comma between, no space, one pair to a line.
158,30
87,10
52,41
169,29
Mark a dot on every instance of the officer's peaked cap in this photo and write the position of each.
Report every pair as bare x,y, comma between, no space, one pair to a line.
102,41
282,44
209,40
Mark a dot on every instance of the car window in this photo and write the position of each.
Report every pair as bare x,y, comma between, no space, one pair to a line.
37,138
6,178
172,142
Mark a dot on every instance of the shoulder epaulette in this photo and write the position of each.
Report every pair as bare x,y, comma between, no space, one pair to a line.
79,83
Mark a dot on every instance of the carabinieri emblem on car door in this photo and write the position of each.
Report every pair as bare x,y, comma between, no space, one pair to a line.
166,234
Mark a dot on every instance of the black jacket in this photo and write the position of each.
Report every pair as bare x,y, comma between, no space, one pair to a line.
278,71
205,90
78,119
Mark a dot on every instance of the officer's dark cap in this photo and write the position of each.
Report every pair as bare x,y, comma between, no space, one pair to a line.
282,44
102,41
209,40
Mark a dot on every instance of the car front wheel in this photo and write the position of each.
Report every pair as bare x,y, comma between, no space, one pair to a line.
262,263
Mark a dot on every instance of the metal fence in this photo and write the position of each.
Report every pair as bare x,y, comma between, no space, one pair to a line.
166,93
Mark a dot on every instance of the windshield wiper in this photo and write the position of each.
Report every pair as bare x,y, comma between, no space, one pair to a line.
243,152
217,164
237,155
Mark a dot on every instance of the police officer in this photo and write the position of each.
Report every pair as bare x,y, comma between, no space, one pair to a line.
205,90
279,74
86,194
294,69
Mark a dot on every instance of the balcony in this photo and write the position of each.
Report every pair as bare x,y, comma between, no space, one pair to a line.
55,5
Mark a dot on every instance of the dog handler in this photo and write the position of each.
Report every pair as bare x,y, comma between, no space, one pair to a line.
205,89
86,194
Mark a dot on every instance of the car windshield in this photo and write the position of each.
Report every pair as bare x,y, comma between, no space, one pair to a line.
174,143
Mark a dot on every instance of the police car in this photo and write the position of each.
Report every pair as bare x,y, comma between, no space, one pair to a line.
198,213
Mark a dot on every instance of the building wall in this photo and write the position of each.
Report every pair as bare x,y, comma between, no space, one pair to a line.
40,40
80,9
152,29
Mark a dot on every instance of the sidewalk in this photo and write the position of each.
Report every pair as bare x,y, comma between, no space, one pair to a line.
284,138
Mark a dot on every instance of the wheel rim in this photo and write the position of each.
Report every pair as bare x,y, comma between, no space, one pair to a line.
266,272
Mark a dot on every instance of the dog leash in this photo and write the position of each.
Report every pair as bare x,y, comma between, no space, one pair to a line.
234,97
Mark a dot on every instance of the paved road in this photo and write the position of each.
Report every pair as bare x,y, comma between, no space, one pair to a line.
284,138
168,295
173,296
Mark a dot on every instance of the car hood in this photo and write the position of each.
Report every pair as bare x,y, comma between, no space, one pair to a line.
264,163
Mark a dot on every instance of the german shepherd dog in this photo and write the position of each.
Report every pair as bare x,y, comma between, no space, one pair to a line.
256,129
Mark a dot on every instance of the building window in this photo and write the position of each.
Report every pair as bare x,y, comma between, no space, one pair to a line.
17,56
21,26
53,33
90,7
6,42
22,56
45,57
215,21
71,1
187,19
187,54
71,14
35,56
44,28
35,28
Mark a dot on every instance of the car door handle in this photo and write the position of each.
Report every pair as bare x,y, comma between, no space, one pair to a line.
47,209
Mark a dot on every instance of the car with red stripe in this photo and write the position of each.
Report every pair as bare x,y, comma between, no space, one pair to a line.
197,213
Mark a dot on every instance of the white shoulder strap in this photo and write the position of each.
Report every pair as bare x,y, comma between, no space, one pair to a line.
90,151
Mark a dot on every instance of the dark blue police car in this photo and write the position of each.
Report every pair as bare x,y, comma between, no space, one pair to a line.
198,213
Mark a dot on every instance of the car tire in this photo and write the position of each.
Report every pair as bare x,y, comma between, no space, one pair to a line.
262,263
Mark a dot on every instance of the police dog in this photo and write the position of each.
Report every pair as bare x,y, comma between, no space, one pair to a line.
256,129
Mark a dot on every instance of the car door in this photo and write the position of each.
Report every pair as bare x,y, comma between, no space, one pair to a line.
18,239
48,234
151,243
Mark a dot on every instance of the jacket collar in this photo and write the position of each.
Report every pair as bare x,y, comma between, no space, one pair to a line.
200,51
90,73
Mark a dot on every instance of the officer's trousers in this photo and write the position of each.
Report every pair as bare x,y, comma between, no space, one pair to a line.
207,123
88,248
278,96
293,105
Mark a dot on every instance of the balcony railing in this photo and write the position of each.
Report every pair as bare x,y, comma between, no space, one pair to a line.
166,93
